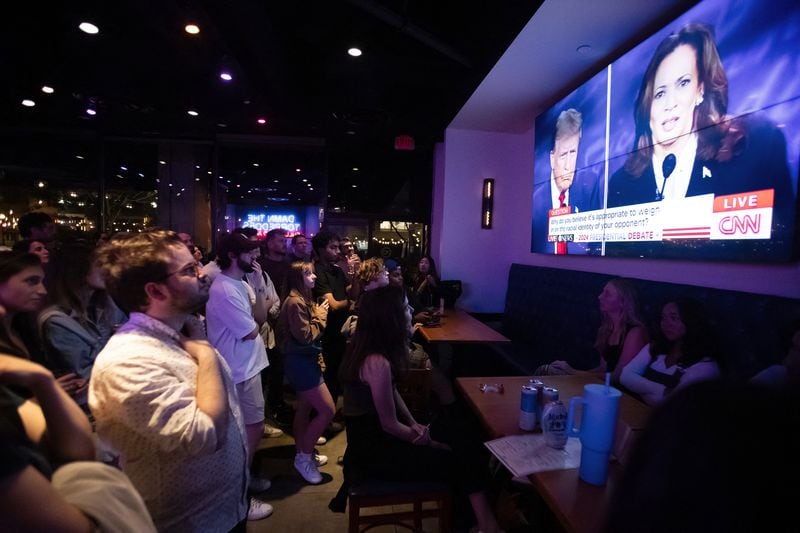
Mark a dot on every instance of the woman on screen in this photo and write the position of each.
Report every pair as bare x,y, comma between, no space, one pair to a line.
685,144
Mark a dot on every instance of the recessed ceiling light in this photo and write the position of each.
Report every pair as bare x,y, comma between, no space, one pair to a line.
192,29
78,157
91,112
28,103
197,166
47,89
225,76
304,180
123,168
275,181
355,169
88,27
193,113
262,121
255,164
162,162
222,125
355,52
351,132
355,186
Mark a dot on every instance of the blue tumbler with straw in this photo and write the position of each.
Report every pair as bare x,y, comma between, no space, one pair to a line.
600,407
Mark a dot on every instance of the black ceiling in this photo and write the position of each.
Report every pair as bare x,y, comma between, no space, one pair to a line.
142,73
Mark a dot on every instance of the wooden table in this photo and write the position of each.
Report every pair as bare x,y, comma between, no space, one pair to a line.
579,507
458,326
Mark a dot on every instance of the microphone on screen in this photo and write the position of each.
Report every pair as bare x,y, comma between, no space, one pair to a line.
667,167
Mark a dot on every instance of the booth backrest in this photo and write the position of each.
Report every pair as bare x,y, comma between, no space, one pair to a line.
553,314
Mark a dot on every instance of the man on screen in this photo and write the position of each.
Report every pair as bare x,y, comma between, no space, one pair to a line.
562,189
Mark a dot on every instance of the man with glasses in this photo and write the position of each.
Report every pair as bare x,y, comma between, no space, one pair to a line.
233,330
162,396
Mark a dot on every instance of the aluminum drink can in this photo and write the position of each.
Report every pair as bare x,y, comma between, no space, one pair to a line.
539,386
527,408
550,395
554,424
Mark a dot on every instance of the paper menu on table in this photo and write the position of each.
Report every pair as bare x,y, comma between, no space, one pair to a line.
527,454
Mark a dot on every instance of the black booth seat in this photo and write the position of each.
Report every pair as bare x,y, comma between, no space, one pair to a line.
553,314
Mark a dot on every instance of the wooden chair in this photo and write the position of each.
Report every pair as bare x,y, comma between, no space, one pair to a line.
415,388
389,493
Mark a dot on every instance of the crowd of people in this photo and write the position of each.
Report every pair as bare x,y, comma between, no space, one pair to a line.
171,371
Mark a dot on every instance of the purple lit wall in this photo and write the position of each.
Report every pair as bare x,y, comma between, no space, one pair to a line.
482,258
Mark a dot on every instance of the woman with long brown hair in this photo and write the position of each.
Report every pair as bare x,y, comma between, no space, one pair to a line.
384,441
300,326
685,142
82,316
22,294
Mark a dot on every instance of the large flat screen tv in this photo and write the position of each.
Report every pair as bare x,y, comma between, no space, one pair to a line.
687,146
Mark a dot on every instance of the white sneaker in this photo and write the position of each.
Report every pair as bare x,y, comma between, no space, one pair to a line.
321,440
258,510
259,484
307,468
272,431
320,460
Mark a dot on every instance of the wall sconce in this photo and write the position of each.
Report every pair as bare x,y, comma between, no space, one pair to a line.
487,207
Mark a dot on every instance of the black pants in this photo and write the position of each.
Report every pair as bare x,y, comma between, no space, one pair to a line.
374,454
333,347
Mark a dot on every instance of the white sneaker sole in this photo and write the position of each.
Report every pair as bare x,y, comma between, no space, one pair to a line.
309,477
259,511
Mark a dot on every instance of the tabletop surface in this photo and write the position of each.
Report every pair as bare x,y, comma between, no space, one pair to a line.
458,326
578,506
499,413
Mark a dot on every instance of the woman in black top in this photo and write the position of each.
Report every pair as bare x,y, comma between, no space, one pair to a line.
31,435
425,285
621,334
384,441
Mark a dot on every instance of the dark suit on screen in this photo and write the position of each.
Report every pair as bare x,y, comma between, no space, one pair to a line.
759,163
584,195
